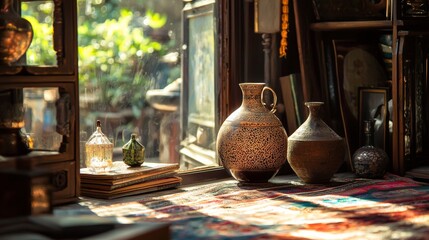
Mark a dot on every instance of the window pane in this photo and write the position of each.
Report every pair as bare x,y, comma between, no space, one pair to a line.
40,119
32,110
40,14
130,75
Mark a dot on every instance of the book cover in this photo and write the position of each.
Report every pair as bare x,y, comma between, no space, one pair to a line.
110,184
121,170
145,187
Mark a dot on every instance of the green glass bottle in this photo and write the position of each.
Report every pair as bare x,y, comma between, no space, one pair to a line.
133,152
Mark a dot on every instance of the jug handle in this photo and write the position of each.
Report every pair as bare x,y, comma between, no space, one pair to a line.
274,105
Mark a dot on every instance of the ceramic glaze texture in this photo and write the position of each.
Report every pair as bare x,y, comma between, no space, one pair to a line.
252,142
315,152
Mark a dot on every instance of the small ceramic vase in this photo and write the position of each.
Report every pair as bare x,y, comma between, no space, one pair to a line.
99,151
133,152
251,143
370,161
315,152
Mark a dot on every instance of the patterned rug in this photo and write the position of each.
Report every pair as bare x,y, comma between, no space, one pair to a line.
347,208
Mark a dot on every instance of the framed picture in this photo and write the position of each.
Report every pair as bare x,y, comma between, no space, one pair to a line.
358,63
414,8
199,82
373,105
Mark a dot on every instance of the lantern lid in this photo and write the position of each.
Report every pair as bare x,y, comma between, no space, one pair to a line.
98,137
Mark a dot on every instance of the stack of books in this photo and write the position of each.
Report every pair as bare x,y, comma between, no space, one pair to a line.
123,180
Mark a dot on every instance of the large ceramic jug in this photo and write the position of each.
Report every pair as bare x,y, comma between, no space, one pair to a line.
315,152
252,142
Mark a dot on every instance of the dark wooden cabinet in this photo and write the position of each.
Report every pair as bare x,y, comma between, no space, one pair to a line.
48,101
343,57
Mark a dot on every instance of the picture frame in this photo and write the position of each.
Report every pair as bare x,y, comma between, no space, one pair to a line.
200,82
374,105
357,63
414,9
198,65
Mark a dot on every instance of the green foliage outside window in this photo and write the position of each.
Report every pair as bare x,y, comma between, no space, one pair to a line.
111,58
40,16
118,58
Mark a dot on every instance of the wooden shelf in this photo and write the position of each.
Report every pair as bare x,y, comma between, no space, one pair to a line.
403,33
421,173
351,25
414,22
319,68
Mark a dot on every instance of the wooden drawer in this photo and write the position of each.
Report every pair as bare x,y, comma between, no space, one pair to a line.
64,180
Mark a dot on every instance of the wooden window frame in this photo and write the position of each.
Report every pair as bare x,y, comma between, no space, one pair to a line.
229,17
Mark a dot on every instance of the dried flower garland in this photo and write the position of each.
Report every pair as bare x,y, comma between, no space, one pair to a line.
284,27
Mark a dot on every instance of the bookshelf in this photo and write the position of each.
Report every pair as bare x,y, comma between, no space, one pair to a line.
407,80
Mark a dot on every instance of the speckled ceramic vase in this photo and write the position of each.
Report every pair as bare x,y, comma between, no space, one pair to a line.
251,143
315,152
370,161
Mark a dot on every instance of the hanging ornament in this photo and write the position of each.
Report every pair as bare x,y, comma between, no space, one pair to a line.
284,27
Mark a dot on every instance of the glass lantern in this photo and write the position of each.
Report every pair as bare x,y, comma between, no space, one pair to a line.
99,151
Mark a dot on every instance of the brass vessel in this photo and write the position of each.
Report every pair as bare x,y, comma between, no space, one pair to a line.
16,34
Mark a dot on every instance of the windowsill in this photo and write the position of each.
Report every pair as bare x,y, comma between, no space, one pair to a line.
213,175
283,207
